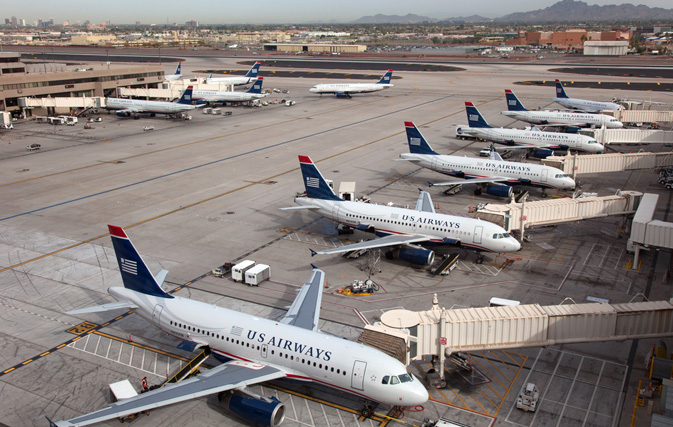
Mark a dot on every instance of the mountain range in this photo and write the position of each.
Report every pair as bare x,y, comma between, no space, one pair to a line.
563,11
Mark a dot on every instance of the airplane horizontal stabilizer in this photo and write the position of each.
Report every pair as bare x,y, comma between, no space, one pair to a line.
292,208
105,307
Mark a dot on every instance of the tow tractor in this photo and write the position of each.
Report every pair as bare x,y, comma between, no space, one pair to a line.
528,398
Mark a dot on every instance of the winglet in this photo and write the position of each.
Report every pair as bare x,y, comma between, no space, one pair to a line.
313,253
430,184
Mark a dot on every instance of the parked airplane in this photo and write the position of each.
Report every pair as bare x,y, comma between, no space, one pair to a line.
346,89
400,228
133,107
253,349
176,76
250,77
582,104
556,118
491,174
542,142
255,92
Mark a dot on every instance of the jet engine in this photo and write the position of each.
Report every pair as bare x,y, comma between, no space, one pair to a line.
542,153
256,409
123,113
499,190
413,254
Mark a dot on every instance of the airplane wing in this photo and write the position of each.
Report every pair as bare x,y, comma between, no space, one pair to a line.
228,376
305,310
424,202
392,240
470,181
128,110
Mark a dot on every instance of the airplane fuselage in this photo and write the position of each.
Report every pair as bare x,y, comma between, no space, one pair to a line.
440,228
522,137
222,96
586,105
302,354
349,87
518,173
142,106
563,118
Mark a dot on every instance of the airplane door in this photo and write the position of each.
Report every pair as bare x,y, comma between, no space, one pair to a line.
335,212
478,231
357,381
264,350
543,178
156,314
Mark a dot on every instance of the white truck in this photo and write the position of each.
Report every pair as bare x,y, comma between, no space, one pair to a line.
238,272
528,398
257,274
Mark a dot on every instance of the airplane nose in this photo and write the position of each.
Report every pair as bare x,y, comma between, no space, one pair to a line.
516,246
416,396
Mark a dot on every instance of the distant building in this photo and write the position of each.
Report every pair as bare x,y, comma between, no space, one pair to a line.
315,48
606,48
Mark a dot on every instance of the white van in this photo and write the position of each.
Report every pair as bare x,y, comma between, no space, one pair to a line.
257,274
238,272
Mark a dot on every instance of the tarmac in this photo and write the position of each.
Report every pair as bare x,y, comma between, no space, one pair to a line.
195,194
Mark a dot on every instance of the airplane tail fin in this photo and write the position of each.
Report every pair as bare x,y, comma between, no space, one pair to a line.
560,92
254,70
315,184
474,117
186,97
135,274
177,70
417,143
513,103
386,77
257,86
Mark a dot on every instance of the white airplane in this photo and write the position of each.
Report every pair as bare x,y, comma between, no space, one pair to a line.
133,107
176,76
490,173
517,111
542,143
346,89
582,104
250,77
252,349
400,228
255,92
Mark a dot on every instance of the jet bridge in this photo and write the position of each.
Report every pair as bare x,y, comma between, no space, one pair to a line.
573,165
647,231
439,332
519,216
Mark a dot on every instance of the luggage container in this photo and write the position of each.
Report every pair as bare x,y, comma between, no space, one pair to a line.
238,272
257,274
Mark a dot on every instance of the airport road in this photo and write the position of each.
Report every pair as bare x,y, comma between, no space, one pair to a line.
194,194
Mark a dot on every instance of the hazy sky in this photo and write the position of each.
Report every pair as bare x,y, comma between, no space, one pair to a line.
265,11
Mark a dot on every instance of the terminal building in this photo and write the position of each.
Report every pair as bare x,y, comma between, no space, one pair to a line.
315,48
100,82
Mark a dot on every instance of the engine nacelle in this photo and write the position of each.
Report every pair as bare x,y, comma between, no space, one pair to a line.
542,153
499,190
123,113
268,413
418,256
572,129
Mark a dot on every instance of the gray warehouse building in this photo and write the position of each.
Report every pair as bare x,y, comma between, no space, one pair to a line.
606,48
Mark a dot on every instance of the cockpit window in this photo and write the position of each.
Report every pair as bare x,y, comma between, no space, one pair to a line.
385,379
394,380
561,175
405,378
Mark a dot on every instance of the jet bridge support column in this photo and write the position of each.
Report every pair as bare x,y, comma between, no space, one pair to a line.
442,344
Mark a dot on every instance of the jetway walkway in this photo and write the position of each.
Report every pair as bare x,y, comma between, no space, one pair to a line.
439,332
63,102
574,165
647,231
519,216
629,136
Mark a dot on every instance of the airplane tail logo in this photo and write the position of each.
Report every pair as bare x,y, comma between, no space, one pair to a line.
315,184
386,77
177,70
560,92
417,143
257,86
186,97
253,71
513,103
135,274
474,117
